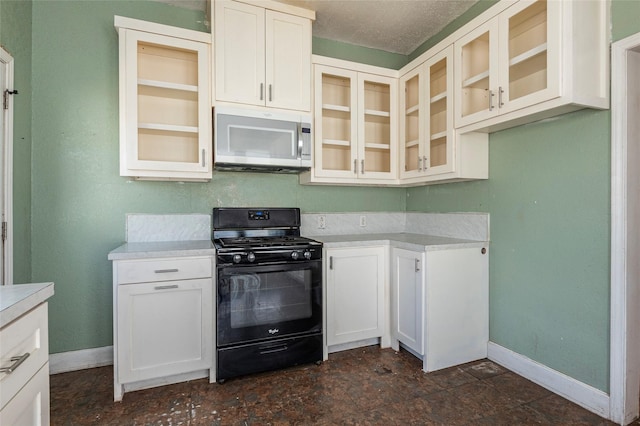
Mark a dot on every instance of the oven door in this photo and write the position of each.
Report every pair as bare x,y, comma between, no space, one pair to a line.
259,302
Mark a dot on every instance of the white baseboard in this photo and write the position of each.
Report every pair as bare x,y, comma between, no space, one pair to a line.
79,360
575,391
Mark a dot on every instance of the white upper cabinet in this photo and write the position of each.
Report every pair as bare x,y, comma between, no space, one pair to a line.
426,126
165,108
356,118
263,57
534,59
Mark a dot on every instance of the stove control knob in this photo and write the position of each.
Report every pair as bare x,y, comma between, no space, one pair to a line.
307,255
237,258
295,255
251,257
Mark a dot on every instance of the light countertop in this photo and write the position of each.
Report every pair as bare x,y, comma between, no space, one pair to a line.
407,241
17,299
163,248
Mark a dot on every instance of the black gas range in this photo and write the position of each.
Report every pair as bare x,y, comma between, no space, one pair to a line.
269,291
256,236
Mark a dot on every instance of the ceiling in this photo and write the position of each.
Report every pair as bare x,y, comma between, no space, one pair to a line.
397,26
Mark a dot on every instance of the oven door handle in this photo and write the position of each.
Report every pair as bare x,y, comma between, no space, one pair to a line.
271,350
286,251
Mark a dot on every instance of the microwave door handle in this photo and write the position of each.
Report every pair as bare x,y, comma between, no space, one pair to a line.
300,141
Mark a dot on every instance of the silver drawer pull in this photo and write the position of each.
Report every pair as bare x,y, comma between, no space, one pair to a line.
17,360
165,271
165,287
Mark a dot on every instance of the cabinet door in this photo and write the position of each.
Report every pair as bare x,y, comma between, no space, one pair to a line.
457,307
355,294
407,308
240,52
165,108
288,61
164,328
336,134
31,405
438,152
377,127
476,74
529,54
412,122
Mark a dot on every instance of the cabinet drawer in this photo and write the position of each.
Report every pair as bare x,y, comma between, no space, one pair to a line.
170,269
26,338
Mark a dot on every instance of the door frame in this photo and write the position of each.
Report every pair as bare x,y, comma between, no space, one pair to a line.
6,61
624,373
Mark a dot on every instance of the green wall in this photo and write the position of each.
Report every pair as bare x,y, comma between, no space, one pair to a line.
79,201
15,37
548,199
363,55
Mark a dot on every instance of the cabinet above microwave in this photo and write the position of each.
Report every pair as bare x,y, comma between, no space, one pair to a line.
252,140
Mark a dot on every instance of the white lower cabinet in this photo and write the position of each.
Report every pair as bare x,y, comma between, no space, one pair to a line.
24,378
407,302
440,305
164,322
355,291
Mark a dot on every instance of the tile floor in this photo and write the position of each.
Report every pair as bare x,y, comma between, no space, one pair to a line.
366,386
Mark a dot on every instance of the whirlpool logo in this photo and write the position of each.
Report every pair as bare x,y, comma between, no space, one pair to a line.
273,331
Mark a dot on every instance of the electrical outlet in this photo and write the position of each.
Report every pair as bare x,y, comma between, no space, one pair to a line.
322,222
363,221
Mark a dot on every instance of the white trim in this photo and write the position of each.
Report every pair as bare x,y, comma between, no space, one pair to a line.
6,60
584,395
166,30
282,8
625,354
354,66
79,360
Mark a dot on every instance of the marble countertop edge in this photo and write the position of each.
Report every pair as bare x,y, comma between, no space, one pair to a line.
141,250
18,299
401,240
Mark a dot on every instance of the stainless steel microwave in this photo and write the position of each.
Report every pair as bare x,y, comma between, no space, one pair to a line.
253,140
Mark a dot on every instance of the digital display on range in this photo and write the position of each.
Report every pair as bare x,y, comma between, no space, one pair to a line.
258,214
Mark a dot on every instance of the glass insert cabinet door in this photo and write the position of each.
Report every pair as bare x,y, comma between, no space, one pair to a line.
437,155
477,74
532,50
412,124
510,62
335,121
356,124
427,128
166,104
377,127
